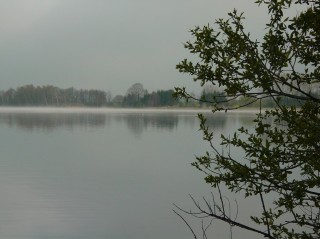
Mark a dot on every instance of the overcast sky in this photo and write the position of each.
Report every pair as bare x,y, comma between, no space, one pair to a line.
105,44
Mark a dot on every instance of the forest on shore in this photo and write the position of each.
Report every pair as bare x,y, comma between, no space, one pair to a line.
135,97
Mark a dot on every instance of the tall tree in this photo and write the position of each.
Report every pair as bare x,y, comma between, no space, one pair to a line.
134,95
282,152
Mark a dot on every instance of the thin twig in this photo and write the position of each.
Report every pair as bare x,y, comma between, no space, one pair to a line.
265,213
194,235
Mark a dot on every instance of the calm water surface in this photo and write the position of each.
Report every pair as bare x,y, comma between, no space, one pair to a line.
96,174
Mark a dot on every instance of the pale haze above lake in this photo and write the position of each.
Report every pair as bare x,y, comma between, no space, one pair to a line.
98,173
106,44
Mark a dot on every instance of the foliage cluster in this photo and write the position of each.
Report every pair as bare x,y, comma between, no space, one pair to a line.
281,155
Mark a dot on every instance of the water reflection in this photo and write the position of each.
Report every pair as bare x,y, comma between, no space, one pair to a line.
137,122
51,121
100,183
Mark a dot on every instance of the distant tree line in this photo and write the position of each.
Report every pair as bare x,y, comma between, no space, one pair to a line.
30,95
211,95
136,97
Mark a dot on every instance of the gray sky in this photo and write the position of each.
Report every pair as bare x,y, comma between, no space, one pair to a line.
105,44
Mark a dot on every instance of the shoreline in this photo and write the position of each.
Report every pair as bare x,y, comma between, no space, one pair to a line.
67,109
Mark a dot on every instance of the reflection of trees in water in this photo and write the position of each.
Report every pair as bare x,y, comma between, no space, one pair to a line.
246,119
138,122
219,120
51,121
216,121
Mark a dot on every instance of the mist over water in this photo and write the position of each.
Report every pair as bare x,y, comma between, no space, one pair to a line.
102,173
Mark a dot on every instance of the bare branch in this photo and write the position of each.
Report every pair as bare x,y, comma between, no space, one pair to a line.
265,213
194,235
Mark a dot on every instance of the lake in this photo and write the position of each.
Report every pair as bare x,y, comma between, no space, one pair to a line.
103,173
